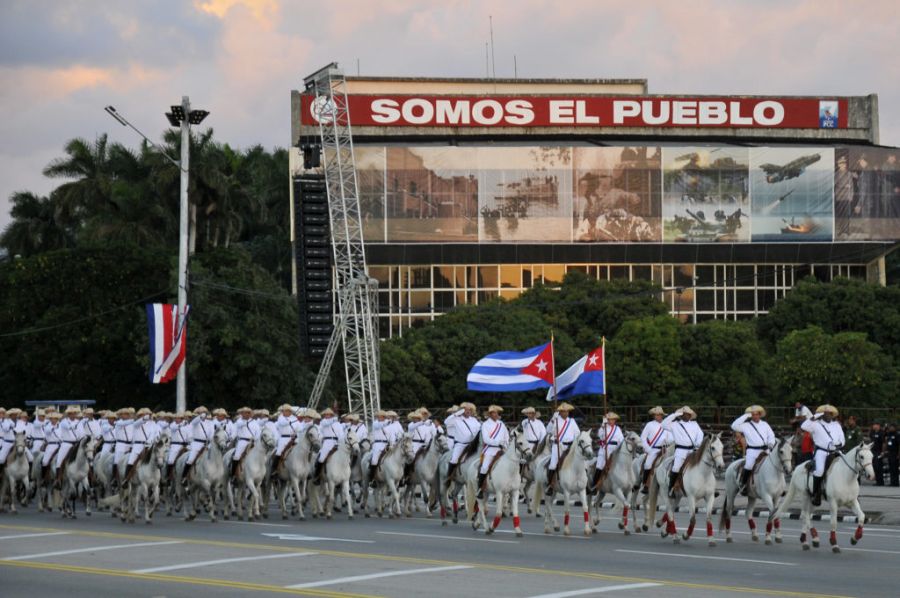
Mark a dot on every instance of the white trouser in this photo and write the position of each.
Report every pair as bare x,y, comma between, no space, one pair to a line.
680,456
378,447
451,442
136,448
417,445
37,445
649,458
49,453
555,454
282,443
751,457
819,459
604,455
325,449
239,448
489,453
108,447
5,448
64,448
174,451
458,449
122,448
196,447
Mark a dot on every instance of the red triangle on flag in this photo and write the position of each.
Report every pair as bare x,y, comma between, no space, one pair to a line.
595,360
542,366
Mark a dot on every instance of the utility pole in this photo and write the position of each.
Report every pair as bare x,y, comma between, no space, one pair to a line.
183,242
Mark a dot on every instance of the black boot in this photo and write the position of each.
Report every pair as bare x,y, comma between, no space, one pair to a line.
745,480
817,491
317,476
481,479
645,483
593,487
673,477
234,467
451,470
186,472
550,489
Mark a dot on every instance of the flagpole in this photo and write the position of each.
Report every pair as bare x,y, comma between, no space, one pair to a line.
553,365
605,407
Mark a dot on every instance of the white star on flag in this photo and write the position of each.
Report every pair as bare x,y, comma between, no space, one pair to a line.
593,360
541,365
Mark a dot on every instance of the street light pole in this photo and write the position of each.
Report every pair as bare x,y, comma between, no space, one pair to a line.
183,242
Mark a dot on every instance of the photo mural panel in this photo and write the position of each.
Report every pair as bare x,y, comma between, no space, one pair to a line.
525,194
431,194
866,194
792,194
706,194
617,194
370,162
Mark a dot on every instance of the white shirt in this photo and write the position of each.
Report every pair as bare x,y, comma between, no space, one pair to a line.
360,430
565,430
247,429
803,411
286,425
535,430
6,429
826,435
69,431
465,427
610,435
144,431
654,436
202,430
37,428
393,431
759,435
494,434
123,430
331,429
686,435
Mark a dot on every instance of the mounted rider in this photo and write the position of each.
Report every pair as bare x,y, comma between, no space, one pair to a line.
23,426
466,428
38,434
89,425
534,428
563,431
654,439
611,437
144,433
247,431
287,424
51,429
123,434
69,434
202,431
331,432
379,440
688,437
221,421
759,436
494,439
180,437
108,431
828,437
7,436
450,424
359,428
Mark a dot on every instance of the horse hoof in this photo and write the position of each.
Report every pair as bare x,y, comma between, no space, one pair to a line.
658,524
88,513
621,525
148,522
284,517
443,523
712,542
806,547
556,528
663,534
853,540
646,528
768,541
328,517
677,540
729,540
836,549
519,534
754,538
368,516
685,537
627,532
815,543
778,540
265,515
350,517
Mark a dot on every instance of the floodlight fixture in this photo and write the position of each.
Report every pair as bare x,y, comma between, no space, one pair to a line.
195,117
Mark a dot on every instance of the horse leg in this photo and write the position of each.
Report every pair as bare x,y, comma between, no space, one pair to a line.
517,523
860,519
299,495
832,538
620,494
586,509
500,499
567,501
710,499
751,522
692,509
770,504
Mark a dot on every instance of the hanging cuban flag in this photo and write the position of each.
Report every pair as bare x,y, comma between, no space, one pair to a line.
586,377
168,341
510,371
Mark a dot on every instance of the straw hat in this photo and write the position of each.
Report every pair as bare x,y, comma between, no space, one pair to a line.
2,409
130,410
612,415
49,409
467,405
756,409
425,413
328,412
353,417
56,415
657,411
381,413
827,409
88,411
313,413
261,413
245,410
414,416
286,407
391,413
14,412
143,411
528,411
689,411
495,409
23,414
565,407
220,411
73,410
453,409
39,412
111,415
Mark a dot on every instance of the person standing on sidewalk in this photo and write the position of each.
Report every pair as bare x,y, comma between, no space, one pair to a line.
852,433
876,437
891,447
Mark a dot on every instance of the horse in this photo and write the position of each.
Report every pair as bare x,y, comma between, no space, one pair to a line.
698,481
533,492
640,500
572,480
144,484
205,476
620,480
336,473
254,469
17,470
389,473
768,486
841,488
297,464
504,480
450,486
75,476
425,473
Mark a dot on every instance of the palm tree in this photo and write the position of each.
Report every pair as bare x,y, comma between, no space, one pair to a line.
88,165
35,227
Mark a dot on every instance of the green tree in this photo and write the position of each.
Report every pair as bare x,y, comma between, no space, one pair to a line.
643,362
34,227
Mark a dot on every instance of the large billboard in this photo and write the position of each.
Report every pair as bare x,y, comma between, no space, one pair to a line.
627,194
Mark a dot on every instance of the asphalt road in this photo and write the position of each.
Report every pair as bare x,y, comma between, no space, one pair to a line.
44,555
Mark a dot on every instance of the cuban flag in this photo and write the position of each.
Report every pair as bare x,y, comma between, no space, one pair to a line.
586,377
168,341
510,371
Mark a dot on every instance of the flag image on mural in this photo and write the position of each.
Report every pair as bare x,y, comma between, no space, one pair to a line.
512,371
168,340
587,376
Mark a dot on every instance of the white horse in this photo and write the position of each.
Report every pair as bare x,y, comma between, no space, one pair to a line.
768,485
449,486
533,492
296,467
841,488
144,484
75,476
205,478
424,473
572,480
253,471
504,481
388,476
698,481
620,480
640,500
17,469
336,474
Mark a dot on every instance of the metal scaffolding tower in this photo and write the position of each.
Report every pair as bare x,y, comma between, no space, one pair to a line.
356,326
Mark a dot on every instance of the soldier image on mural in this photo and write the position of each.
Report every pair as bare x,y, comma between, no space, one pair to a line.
617,194
706,194
370,181
792,193
866,194
431,194
526,194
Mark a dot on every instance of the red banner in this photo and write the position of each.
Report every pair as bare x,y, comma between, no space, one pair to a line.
585,111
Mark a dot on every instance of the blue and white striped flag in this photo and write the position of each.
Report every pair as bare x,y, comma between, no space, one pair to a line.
511,371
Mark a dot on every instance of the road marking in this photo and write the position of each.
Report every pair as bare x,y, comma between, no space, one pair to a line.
554,535
199,581
28,557
355,578
720,588
221,562
302,538
871,550
711,558
41,535
462,538
258,523
600,590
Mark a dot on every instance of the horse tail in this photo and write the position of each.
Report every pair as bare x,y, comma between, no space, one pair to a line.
725,515
785,502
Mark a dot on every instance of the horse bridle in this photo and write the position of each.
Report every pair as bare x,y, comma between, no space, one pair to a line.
858,464
709,452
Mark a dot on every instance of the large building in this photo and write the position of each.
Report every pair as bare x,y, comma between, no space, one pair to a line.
473,189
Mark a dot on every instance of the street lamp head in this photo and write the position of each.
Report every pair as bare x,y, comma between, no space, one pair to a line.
112,112
196,116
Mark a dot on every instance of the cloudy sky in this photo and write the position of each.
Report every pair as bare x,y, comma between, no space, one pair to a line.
62,61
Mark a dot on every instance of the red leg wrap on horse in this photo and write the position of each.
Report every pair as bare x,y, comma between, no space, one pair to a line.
728,523
768,527
778,524
496,521
813,532
455,505
587,517
833,538
516,521
858,534
709,529
691,529
624,515
567,519
751,523
803,538
670,527
443,512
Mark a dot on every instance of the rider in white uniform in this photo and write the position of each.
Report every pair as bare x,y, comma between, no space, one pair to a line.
358,427
247,431
759,437
23,426
221,421
202,432
611,438
90,426
108,432
828,437
123,434
287,425
69,433
50,432
179,439
331,432
494,438
563,431
534,429
144,432
379,440
687,436
38,436
466,428
654,439
7,436
450,425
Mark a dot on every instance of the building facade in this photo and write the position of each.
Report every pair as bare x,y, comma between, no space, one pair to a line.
473,190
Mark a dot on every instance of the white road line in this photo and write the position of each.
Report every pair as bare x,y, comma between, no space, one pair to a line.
28,557
448,537
871,550
33,535
600,590
575,535
711,558
340,580
258,523
222,562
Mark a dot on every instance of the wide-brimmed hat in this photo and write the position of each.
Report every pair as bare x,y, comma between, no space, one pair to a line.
39,412
144,411
55,415
14,412
468,405
756,409
826,408
495,409
327,412
657,411
565,407
111,415
201,409
23,414
73,410
244,409
425,413
689,411
381,413
88,411
353,417
220,411
414,415
453,409
528,411
286,407
391,413
612,415
261,413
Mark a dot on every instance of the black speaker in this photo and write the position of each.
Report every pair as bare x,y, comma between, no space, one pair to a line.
313,260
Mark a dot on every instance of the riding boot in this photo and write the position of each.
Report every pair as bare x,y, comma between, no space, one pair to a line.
317,476
745,481
645,483
234,467
550,489
451,470
59,475
372,471
481,479
673,478
186,472
817,491
594,481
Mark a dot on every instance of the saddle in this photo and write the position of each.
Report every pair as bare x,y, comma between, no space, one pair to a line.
490,468
239,466
468,452
810,466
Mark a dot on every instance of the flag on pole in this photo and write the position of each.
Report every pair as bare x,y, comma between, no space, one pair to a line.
587,376
511,371
168,341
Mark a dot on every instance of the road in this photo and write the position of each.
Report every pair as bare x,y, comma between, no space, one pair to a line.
43,555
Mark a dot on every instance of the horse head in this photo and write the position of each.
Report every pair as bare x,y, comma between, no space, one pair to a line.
314,437
633,443
365,445
352,443
440,440
717,451
406,446
585,445
21,444
785,455
523,447
220,438
864,458
161,450
268,439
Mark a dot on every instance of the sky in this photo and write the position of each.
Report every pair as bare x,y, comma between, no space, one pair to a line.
61,62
